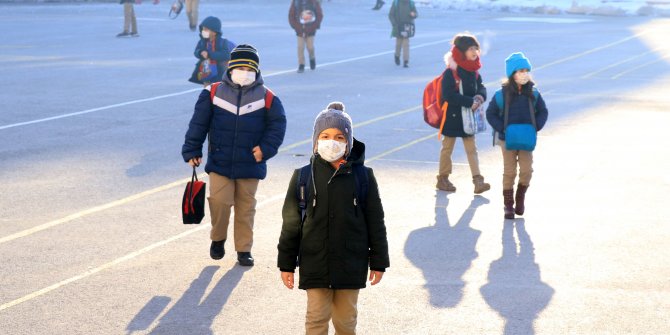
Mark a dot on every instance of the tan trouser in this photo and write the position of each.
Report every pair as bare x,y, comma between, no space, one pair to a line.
129,19
225,193
511,158
448,148
302,41
401,42
192,12
322,303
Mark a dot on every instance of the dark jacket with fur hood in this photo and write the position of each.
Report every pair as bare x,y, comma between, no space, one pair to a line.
339,240
472,85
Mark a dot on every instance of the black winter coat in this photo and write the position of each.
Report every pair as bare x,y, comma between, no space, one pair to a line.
339,239
472,85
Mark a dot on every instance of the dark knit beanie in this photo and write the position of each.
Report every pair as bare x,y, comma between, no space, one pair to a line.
464,41
244,55
334,116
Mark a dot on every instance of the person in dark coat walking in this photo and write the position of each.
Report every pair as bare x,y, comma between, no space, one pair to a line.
245,124
461,87
340,237
305,18
402,15
519,93
212,51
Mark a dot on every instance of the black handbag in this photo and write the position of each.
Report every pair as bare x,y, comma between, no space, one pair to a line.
193,202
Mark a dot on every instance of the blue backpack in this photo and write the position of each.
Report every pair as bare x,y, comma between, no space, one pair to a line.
500,101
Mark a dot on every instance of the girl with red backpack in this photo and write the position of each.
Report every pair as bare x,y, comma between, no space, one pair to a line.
461,87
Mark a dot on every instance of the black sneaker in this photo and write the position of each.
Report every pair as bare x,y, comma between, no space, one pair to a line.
123,34
216,249
245,259
406,64
301,68
134,35
312,64
397,60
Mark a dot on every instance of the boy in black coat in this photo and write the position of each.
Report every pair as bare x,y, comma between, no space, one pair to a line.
341,236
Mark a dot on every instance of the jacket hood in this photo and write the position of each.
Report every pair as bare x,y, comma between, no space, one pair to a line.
449,61
357,155
212,23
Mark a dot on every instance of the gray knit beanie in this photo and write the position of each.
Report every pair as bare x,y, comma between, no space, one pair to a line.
333,116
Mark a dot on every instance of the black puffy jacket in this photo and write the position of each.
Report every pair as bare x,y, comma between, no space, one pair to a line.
340,240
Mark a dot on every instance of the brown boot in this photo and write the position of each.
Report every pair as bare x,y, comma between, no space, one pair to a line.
519,198
508,196
443,184
480,185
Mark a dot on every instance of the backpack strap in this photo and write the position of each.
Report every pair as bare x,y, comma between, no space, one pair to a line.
212,90
269,96
362,185
302,191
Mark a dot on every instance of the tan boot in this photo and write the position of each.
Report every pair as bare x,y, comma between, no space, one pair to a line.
443,184
480,185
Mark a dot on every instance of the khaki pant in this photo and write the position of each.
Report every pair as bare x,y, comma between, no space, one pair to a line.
129,19
448,148
402,42
192,12
225,193
309,42
511,158
322,303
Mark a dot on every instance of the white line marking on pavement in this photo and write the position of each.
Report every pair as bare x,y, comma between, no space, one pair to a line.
93,210
283,149
119,260
587,52
146,249
633,69
180,182
589,75
132,102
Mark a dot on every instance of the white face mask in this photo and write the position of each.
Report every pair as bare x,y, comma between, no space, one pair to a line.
521,78
331,150
204,34
242,78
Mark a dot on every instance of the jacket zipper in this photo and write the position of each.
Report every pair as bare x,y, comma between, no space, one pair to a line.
237,119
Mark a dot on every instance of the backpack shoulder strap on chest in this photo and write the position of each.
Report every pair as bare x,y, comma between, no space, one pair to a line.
212,90
362,184
269,96
302,189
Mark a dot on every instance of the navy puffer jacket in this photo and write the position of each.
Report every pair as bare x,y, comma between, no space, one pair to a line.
236,121
519,113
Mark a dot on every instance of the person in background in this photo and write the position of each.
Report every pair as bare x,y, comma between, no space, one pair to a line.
461,87
245,124
212,51
402,15
524,103
129,19
305,18
192,13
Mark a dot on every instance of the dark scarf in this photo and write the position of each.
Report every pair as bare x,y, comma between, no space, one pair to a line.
468,65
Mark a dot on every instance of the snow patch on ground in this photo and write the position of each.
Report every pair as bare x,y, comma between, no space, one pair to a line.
587,7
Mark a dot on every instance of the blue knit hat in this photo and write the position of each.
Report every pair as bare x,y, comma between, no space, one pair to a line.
334,116
516,62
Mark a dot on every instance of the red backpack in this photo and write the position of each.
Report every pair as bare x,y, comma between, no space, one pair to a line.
434,106
269,95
